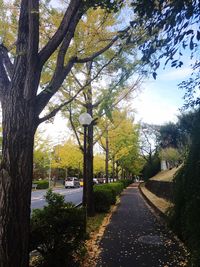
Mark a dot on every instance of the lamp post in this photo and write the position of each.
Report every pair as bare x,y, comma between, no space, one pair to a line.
85,120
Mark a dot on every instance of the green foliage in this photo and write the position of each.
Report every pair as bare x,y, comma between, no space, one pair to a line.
57,232
123,139
152,167
125,182
110,6
54,200
185,216
99,164
172,27
105,195
171,155
103,199
169,135
41,184
115,188
67,156
41,156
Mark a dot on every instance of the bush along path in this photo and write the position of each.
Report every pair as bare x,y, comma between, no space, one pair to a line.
136,237
58,231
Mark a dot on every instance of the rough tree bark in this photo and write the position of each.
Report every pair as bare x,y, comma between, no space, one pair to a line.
107,154
21,107
90,155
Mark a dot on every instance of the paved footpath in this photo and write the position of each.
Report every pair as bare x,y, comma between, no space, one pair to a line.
136,237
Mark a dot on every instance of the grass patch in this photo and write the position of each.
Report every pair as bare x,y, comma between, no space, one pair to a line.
93,223
162,204
166,176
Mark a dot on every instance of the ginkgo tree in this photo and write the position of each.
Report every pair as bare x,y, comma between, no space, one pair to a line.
22,61
41,156
99,165
102,82
120,140
67,156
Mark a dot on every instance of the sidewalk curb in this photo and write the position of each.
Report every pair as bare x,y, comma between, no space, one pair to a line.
154,207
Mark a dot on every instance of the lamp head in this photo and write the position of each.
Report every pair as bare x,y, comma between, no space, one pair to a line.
85,119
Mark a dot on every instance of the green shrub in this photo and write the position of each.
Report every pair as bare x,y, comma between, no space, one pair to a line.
126,182
57,232
103,199
105,195
116,187
41,184
185,215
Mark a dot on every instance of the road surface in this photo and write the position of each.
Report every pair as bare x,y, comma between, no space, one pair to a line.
71,195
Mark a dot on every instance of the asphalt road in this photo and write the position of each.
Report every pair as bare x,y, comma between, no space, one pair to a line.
71,195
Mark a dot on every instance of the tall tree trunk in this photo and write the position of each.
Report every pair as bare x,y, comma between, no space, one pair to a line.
107,156
113,168
90,194
19,126
117,171
90,156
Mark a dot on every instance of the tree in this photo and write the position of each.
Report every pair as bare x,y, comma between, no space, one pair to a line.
149,146
99,165
185,214
67,156
173,29
22,103
41,157
121,135
101,81
171,156
169,135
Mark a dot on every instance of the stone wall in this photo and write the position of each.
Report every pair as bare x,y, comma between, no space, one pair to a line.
161,189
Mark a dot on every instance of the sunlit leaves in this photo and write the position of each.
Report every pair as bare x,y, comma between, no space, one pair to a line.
67,156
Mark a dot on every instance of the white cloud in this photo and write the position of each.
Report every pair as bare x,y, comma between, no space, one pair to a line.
155,109
176,74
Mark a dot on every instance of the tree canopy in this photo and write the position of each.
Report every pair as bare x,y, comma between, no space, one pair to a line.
173,28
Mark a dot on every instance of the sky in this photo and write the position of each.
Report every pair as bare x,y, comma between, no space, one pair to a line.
160,100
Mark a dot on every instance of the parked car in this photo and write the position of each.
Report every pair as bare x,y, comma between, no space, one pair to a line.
95,181
72,182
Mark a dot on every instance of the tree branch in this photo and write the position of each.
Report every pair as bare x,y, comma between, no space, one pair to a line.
77,100
6,60
59,76
98,53
4,81
43,98
23,32
70,16
33,71
33,40
74,129
55,111
66,42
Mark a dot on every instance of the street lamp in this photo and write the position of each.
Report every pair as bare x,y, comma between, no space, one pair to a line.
85,120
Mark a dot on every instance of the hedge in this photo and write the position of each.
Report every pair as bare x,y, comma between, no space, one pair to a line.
126,182
103,199
105,195
57,232
41,184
